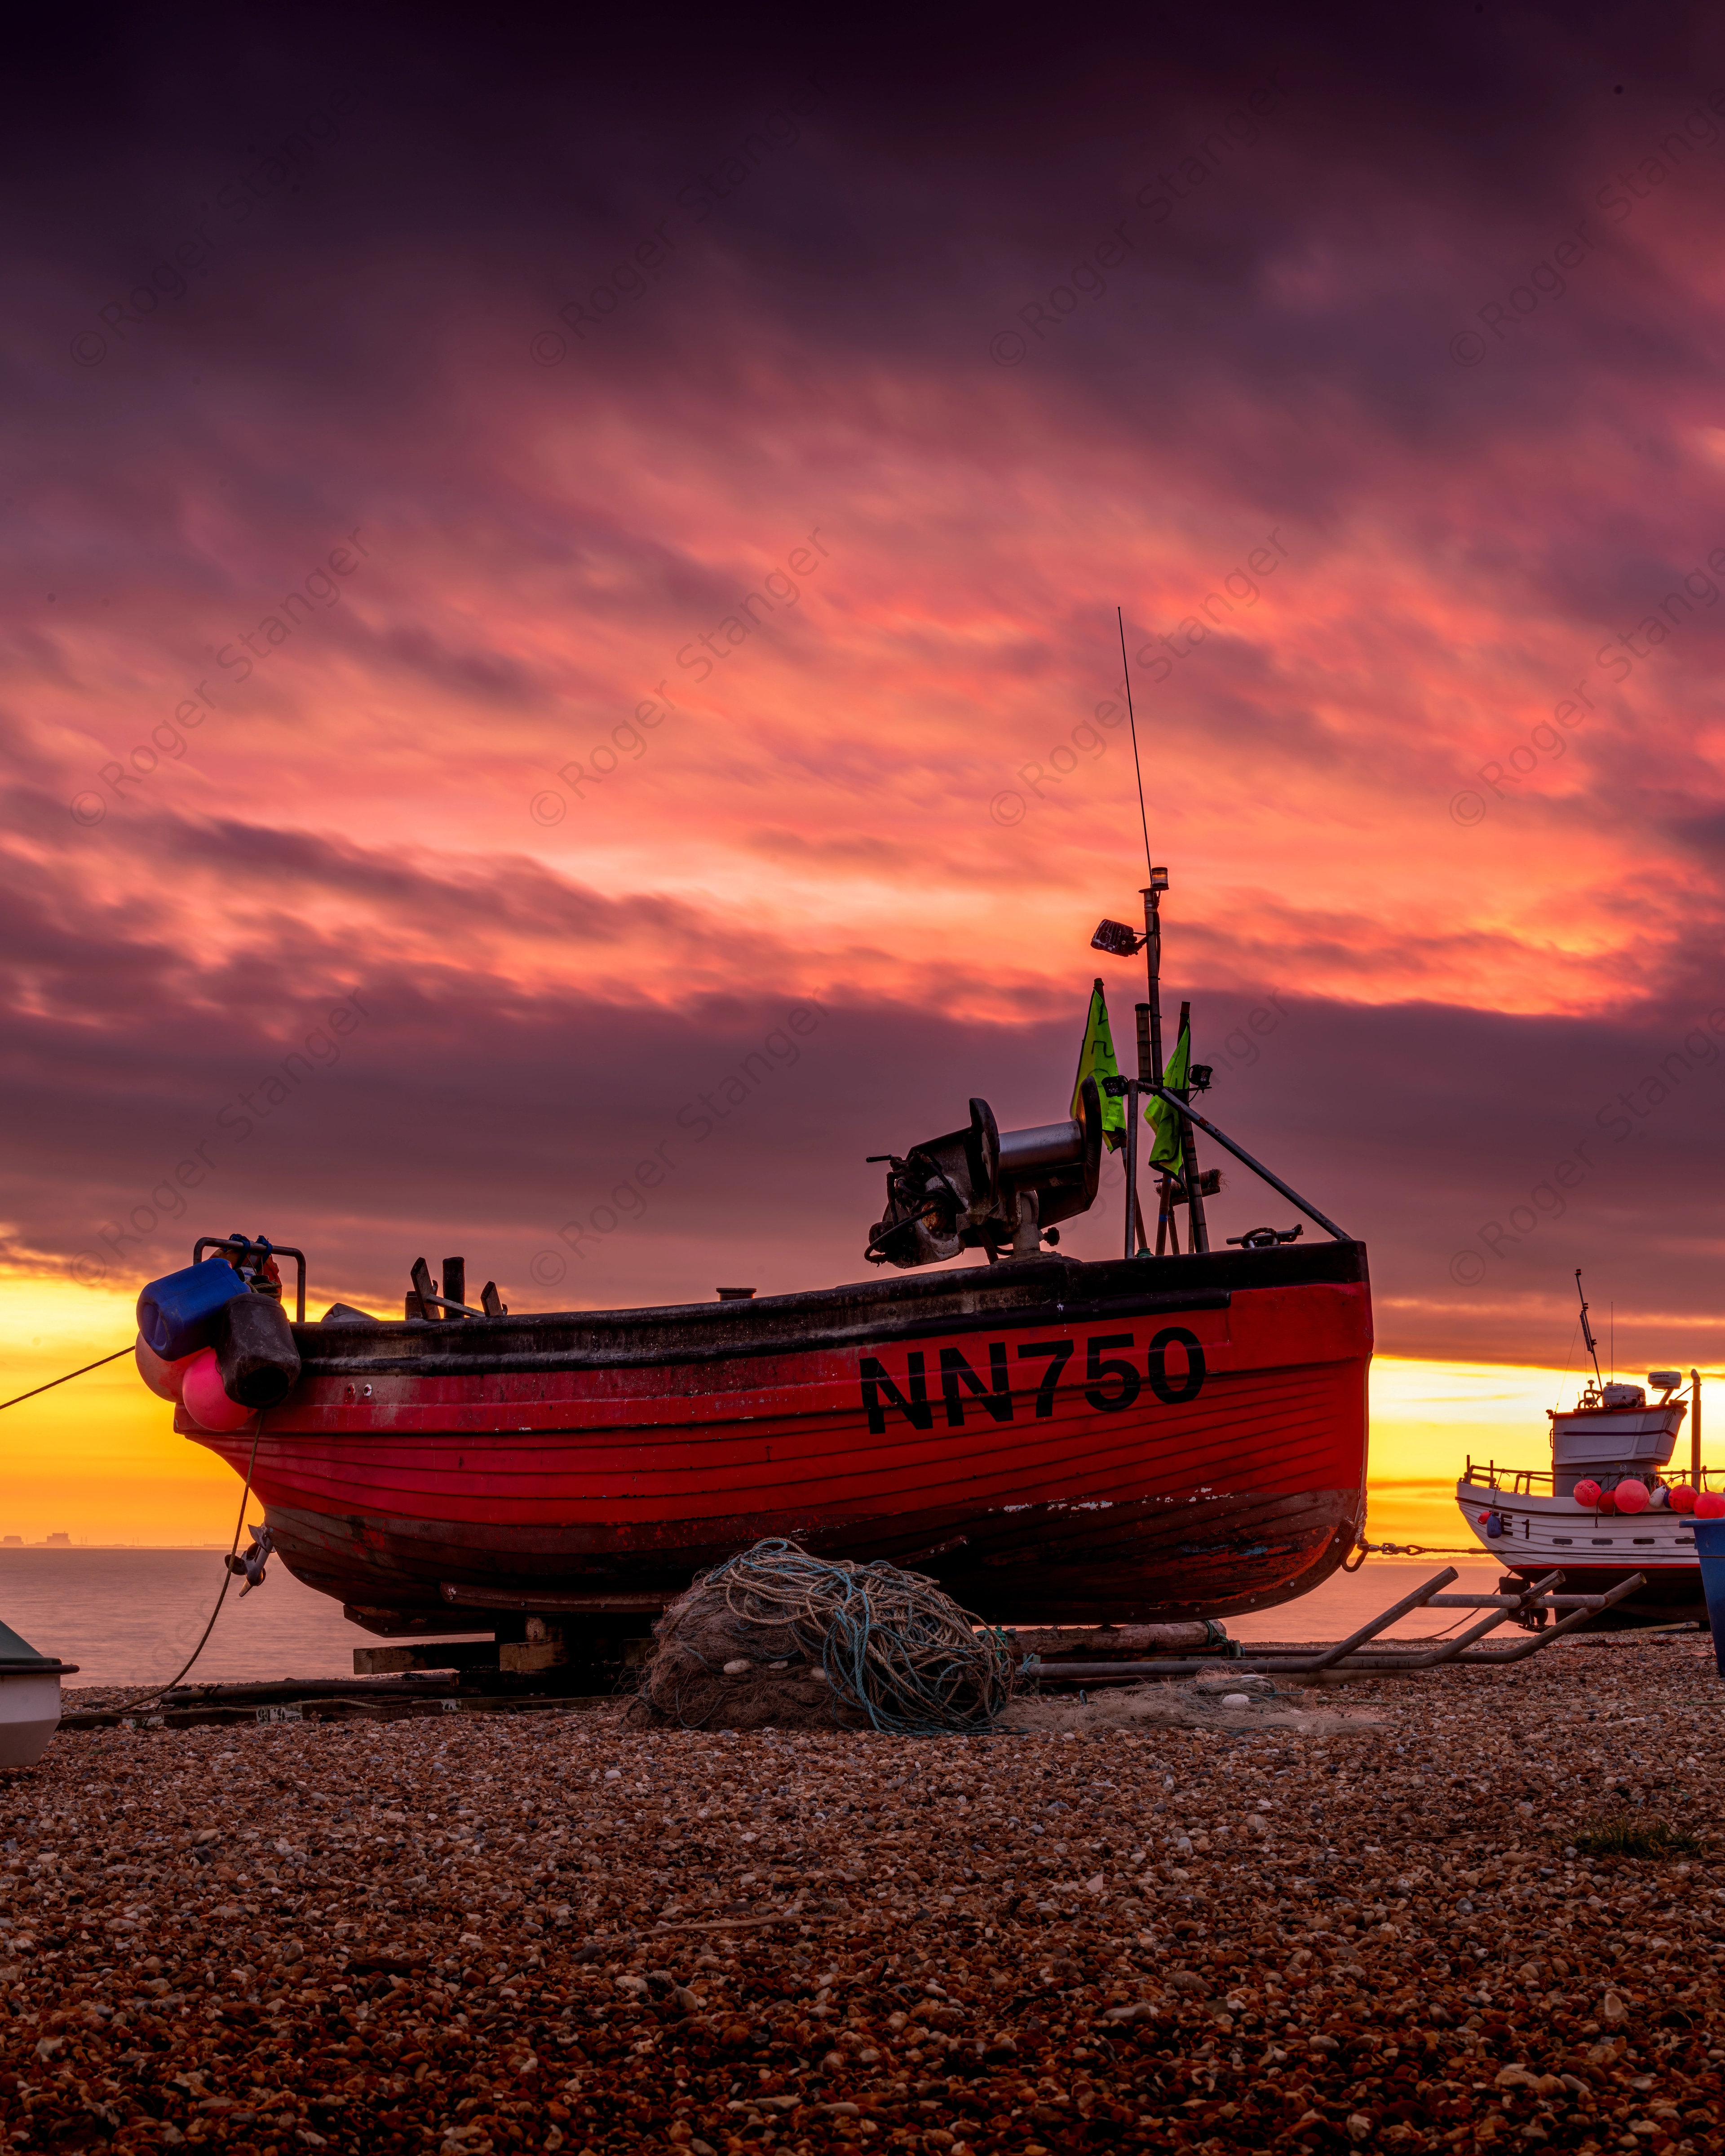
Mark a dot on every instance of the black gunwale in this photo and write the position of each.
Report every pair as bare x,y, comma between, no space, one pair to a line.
1013,1294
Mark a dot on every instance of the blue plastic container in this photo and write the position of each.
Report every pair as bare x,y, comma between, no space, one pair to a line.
1710,1548
178,1314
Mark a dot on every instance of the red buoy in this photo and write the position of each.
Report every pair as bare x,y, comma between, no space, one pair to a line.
1682,1498
1607,1501
1631,1497
1709,1505
205,1399
1586,1491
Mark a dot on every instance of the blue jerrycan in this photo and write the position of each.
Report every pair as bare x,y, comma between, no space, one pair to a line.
178,1314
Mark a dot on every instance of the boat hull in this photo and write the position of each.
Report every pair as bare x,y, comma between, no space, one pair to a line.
29,1715
1541,1534
1054,1442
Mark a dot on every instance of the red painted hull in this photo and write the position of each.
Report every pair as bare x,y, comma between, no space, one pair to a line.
1054,1442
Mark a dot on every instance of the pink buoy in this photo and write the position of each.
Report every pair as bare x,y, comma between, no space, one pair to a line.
1682,1498
1586,1491
164,1379
1709,1505
204,1400
1631,1497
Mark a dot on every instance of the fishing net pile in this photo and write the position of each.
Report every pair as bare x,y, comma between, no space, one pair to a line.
778,1638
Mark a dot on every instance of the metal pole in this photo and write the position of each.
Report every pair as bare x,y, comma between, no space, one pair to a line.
1695,1428
1151,1062
1150,1072
1153,962
1257,1166
1131,1166
1198,1234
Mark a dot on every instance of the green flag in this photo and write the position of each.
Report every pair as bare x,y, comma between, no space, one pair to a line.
1165,1154
1096,1059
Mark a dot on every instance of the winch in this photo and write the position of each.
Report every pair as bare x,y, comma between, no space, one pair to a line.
985,1188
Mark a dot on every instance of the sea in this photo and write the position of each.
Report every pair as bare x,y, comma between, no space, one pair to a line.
129,1616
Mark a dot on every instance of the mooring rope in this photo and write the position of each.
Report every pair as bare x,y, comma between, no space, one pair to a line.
149,1698
891,1642
69,1376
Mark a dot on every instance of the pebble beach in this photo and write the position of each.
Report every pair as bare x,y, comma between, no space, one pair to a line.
1380,1926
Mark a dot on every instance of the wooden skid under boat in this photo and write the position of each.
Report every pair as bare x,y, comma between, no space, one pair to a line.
1053,1441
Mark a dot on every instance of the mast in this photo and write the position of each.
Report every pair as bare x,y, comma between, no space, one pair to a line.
1148,1072
1198,1228
1592,1345
1132,1167
1152,1064
1150,1056
1151,896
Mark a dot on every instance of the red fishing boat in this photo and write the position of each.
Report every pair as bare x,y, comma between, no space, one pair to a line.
1054,1442
1163,1435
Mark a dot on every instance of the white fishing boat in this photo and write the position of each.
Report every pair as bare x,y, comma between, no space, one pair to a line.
1608,1504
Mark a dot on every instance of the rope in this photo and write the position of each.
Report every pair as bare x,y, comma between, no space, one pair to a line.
891,1642
149,1698
67,1380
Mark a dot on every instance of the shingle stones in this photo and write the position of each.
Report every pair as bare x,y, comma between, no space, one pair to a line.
552,1932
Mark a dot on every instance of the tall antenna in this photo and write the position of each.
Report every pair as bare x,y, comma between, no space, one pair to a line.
1150,1062
1137,768
1592,1345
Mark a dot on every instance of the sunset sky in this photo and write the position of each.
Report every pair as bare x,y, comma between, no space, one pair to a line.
545,560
